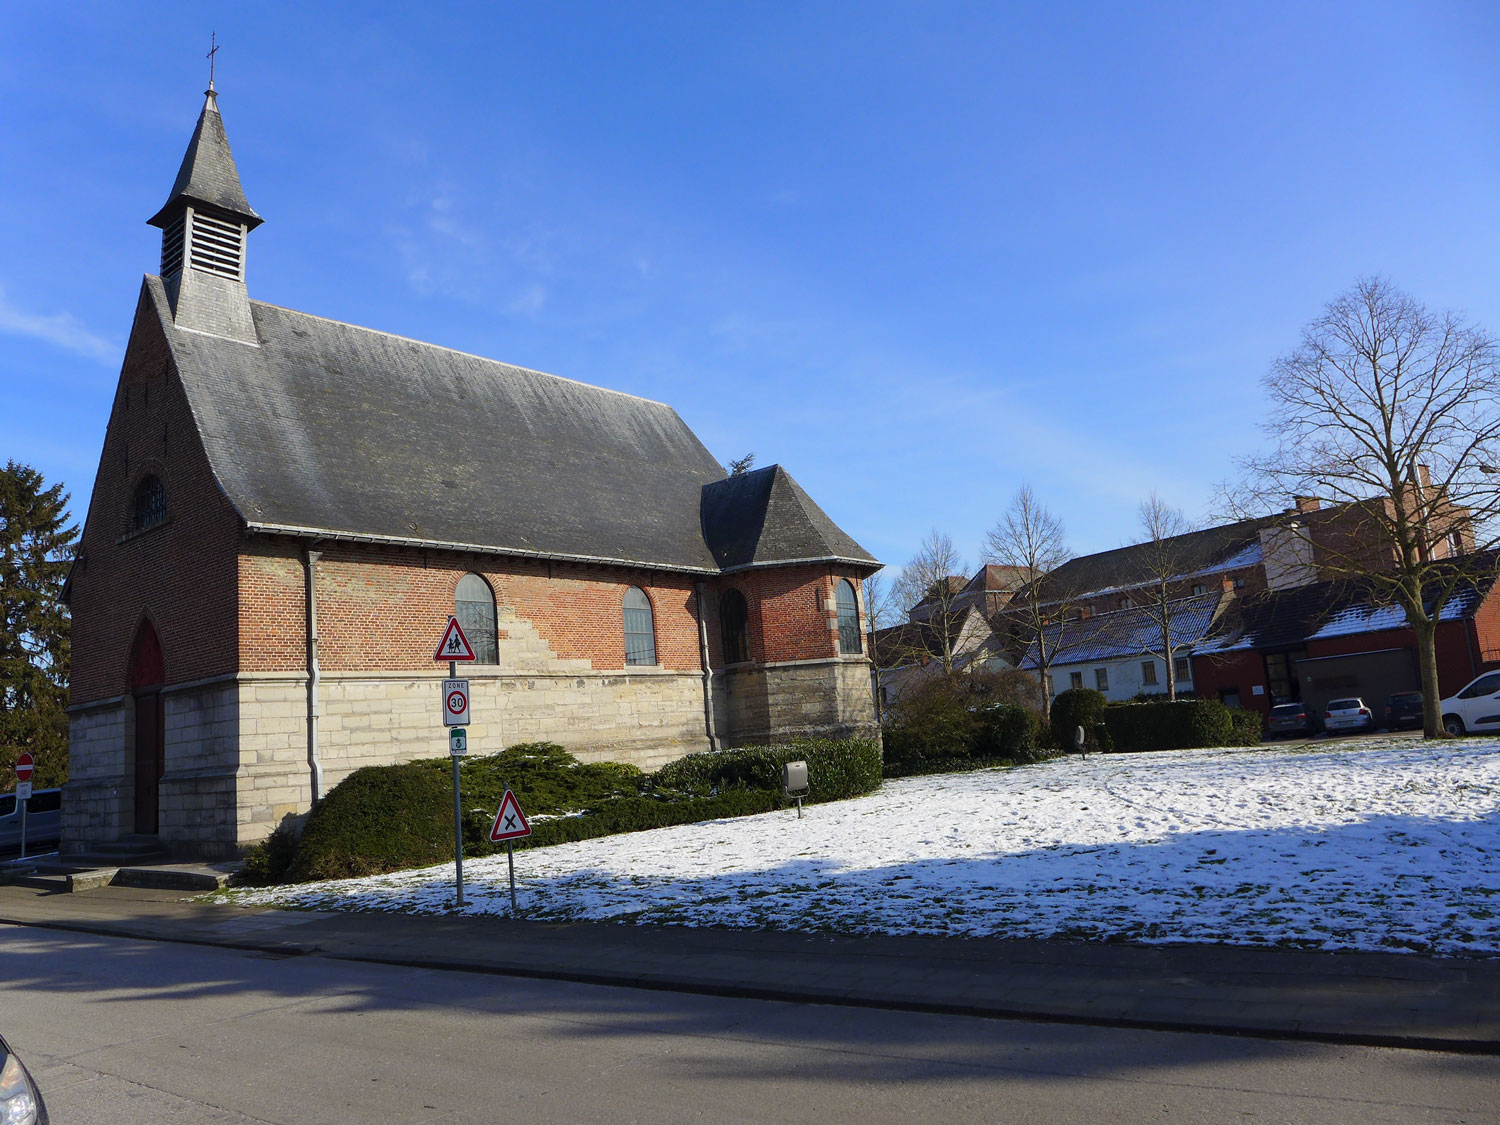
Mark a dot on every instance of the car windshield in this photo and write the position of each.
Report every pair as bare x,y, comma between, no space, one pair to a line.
1344,705
1407,697
1287,709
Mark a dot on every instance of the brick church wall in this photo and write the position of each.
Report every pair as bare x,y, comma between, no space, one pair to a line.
179,574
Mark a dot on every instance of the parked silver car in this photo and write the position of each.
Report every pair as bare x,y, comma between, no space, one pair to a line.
43,823
1343,715
20,1100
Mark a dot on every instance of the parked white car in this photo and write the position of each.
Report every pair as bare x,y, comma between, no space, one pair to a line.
1476,707
1347,714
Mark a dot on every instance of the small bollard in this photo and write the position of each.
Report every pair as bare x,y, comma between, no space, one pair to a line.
794,783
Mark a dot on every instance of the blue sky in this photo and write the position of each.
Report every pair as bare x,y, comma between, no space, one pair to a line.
916,253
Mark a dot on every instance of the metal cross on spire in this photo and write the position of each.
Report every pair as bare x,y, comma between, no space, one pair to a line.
214,43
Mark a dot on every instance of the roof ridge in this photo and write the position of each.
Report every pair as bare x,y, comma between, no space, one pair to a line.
460,351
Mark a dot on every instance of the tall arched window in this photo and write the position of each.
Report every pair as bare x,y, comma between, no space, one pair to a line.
848,609
640,630
474,606
734,626
150,505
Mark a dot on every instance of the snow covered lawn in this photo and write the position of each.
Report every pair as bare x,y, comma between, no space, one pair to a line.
1354,844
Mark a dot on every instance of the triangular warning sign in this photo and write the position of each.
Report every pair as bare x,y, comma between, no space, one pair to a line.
510,821
454,645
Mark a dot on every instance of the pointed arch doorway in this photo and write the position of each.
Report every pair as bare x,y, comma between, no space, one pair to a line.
147,674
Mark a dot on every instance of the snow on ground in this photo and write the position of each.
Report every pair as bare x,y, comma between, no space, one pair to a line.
1355,844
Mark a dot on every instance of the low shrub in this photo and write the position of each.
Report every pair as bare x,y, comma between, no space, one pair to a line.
1177,725
268,860
1008,732
383,818
1077,707
836,768
1249,726
961,722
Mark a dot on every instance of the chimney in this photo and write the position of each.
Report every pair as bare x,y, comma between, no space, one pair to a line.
1307,503
1424,476
1083,613
1228,587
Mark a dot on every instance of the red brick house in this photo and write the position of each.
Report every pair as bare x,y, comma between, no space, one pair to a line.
288,508
1314,643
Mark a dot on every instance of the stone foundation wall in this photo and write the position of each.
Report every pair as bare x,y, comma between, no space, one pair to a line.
203,772
646,717
809,699
98,797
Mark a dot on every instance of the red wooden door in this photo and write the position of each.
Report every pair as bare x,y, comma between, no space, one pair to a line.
149,762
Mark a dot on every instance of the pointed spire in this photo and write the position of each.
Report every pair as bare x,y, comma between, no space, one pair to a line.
208,175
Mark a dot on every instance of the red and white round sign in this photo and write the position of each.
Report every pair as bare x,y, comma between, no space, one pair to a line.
24,765
458,703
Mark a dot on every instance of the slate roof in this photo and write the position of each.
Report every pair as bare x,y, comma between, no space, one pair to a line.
1284,619
764,516
208,173
1198,552
1129,632
346,432
899,645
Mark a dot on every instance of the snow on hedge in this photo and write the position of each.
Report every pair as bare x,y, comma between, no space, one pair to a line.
1363,844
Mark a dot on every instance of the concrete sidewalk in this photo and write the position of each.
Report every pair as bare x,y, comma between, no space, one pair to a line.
1380,999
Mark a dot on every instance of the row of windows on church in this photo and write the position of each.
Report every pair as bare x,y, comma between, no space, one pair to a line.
474,606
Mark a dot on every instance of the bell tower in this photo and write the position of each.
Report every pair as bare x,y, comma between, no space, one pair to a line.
204,224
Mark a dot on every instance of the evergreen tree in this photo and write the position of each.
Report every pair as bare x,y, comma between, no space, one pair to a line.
36,548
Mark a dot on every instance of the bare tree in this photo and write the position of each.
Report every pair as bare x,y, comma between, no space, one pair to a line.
740,465
930,585
1158,564
881,612
1032,539
1394,411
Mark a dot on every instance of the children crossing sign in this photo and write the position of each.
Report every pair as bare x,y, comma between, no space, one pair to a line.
454,645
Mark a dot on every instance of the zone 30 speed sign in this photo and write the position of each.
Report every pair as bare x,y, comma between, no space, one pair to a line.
456,703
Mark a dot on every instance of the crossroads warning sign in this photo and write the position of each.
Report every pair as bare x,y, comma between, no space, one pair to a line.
510,822
454,645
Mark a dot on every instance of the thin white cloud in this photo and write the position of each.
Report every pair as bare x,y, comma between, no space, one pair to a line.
62,330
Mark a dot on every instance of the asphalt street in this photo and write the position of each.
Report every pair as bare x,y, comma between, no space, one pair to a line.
128,1031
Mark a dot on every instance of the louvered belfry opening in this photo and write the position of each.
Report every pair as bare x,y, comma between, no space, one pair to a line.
217,245
171,245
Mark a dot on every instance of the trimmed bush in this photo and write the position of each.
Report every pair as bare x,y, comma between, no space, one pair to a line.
1249,726
961,722
1077,707
384,818
1178,725
1007,732
836,768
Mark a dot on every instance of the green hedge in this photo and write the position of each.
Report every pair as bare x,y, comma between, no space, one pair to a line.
1078,707
384,818
1249,726
963,721
1179,725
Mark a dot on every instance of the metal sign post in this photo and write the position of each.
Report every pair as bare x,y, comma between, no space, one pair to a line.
455,647
25,763
510,825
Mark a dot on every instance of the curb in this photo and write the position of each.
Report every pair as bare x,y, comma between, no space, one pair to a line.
699,987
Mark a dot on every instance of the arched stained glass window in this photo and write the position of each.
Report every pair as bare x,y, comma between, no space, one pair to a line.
734,626
474,606
848,609
150,506
640,630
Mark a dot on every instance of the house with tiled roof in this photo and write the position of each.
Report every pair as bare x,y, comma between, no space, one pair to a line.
288,509
1328,639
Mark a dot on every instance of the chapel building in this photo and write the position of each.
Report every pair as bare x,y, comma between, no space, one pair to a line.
288,509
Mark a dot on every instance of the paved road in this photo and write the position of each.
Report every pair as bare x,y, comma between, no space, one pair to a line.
129,1031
